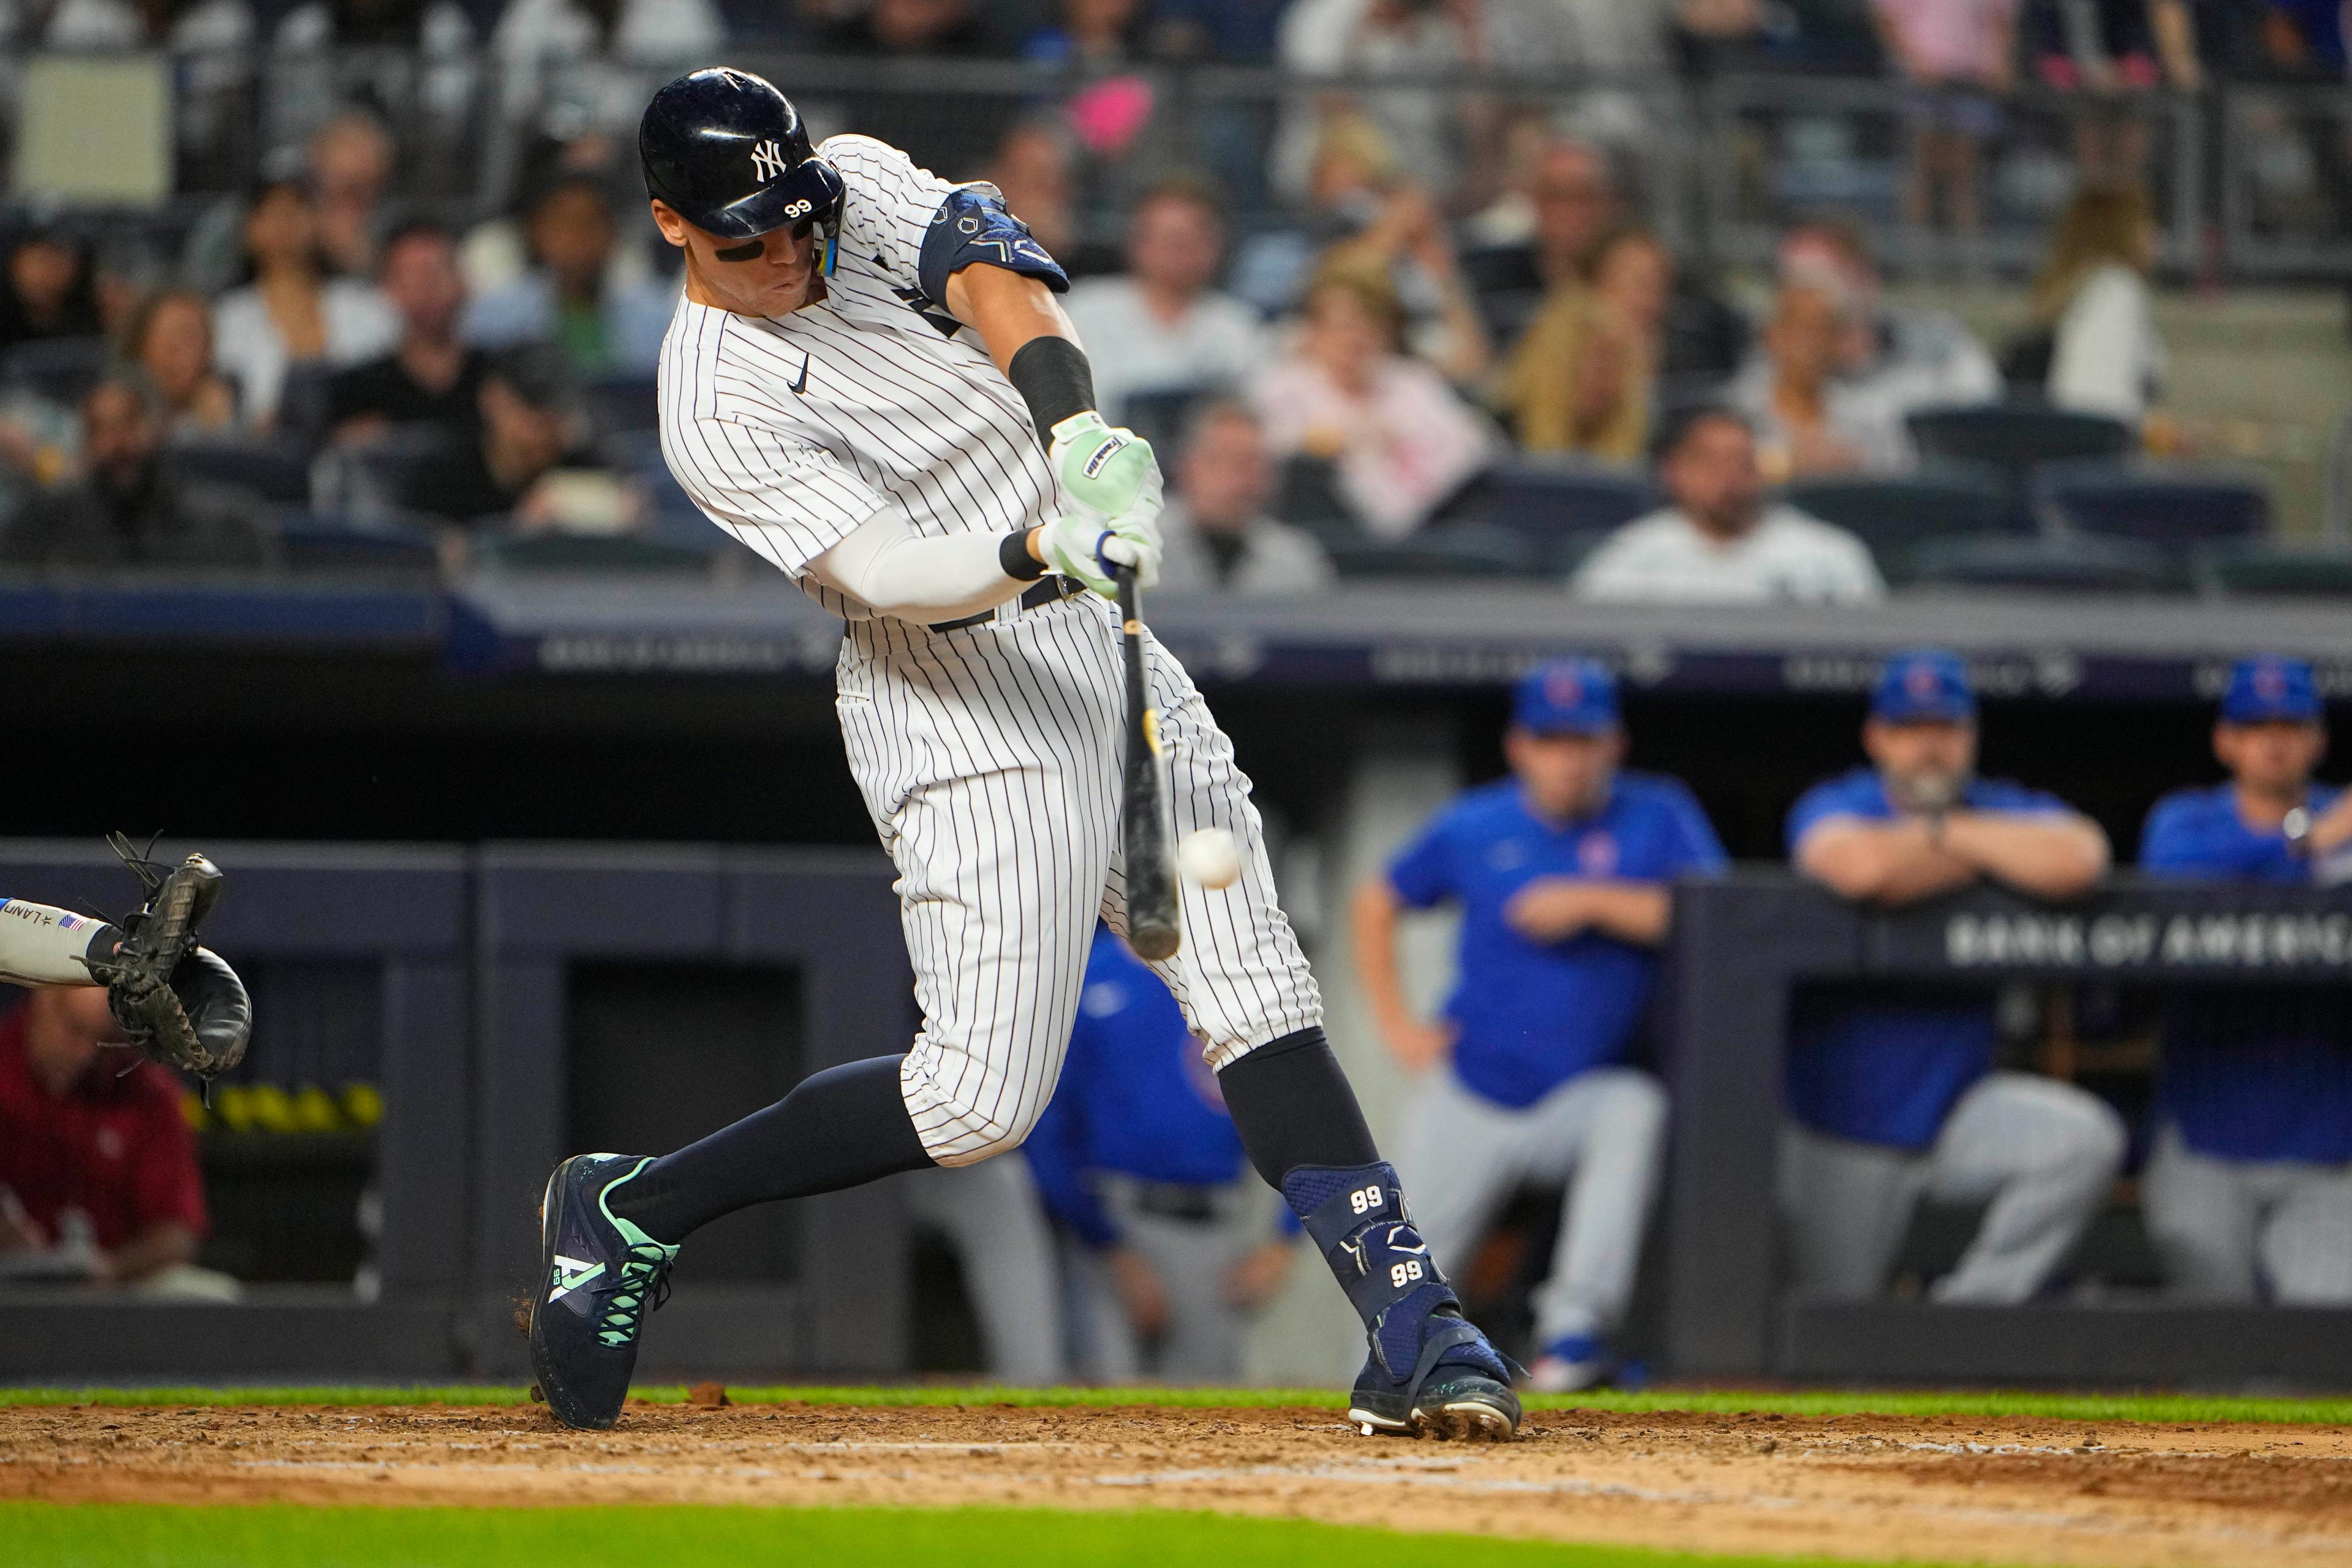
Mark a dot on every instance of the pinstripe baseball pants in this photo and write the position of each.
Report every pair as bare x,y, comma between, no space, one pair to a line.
989,758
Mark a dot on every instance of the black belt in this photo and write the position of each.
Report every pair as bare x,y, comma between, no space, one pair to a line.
1172,1200
1047,591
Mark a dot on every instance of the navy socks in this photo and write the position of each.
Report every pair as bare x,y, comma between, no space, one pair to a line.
840,1128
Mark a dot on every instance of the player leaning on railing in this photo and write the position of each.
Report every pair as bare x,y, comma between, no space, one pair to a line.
178,1003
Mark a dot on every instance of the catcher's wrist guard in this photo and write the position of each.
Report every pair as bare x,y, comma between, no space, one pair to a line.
178,1003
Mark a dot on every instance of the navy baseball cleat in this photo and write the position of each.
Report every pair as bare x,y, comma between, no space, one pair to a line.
1430,1372
600,1275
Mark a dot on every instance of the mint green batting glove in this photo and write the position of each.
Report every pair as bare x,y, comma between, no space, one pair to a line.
1101,466
1091,548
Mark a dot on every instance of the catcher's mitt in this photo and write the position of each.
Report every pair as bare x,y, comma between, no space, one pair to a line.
175,1001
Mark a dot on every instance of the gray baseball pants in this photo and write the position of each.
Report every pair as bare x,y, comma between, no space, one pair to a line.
2222,1225
1600,1135
2045,1153
992,1215
1205,1332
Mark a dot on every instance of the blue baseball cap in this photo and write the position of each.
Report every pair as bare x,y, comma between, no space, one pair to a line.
1566,697
2270,689
1924,684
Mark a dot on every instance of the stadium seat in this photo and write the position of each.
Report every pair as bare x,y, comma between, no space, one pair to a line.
1159,417
2065,564
2017,437
2176,508
621,402
1308,493
1558,507
2275,571
267,469
59,369
1459,550
1896,516
304,403
375,545
620,552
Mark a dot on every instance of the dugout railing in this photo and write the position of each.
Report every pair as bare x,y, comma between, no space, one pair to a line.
1738,949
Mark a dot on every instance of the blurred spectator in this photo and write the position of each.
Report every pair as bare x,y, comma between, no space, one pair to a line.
1217,534
170,342
47,292
1425,128
992,1215
290,312
909,28
1719,541
1584,373
1808,421
2248,1192
1031,167
2094,344
1960,59
1401,441
529,427
1408,245
1572,204
180,26
1163,328
575,67
2103,51
431,377
1562,874
1175,1247
1914,357
1892,1095
1235,32
128,509
350,160
2302,39
1088,35
416,54
576,296
940,131
98,1184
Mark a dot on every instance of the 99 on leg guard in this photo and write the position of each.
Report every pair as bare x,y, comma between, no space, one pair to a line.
1430,1369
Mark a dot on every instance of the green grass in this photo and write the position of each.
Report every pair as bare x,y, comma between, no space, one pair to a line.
43,1535
2157,1407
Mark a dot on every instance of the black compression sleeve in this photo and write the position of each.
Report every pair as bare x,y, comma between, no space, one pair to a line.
1053,378
1012,554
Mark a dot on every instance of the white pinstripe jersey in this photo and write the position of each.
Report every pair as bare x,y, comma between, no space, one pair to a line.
789,431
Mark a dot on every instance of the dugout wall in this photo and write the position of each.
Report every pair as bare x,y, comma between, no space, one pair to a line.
1738,949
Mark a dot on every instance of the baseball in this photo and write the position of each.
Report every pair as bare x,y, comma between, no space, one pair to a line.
1209,857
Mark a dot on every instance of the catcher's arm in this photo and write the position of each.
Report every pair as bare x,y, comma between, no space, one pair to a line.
44,946
175,1001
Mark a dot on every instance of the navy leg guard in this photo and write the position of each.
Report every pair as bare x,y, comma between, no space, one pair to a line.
1430,1370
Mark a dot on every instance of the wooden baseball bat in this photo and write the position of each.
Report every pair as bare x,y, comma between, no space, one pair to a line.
1153,929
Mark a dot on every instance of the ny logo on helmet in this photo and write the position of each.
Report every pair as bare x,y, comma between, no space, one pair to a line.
767,159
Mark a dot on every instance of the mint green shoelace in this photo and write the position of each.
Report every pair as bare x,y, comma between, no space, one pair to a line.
645,1285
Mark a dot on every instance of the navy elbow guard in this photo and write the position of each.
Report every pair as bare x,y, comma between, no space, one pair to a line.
973,225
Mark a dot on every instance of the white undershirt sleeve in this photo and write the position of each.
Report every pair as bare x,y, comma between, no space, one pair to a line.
882,564
44,946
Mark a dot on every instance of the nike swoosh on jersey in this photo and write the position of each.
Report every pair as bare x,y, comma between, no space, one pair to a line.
802,384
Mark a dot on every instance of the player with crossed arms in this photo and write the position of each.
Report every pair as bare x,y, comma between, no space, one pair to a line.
870,382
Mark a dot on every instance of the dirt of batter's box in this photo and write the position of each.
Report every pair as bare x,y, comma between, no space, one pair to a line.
1952,1490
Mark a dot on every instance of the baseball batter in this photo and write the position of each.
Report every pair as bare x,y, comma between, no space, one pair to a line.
870,382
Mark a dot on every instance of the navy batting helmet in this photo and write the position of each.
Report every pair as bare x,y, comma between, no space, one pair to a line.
730,154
